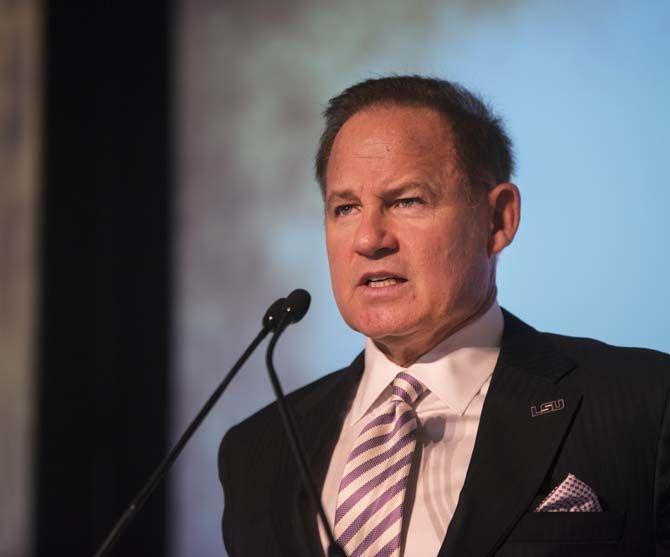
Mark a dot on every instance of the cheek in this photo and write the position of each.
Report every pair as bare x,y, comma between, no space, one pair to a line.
436,256
336,275
340,270
445,267
333,251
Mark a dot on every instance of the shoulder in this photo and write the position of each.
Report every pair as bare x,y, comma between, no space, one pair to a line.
260,429
255,451
631,381
591,360
645,364
603,372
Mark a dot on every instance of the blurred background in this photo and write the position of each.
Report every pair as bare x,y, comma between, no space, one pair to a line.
156,195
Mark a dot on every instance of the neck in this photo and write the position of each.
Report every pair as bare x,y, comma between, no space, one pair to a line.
405,352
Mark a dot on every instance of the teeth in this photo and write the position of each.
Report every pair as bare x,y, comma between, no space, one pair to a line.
375,283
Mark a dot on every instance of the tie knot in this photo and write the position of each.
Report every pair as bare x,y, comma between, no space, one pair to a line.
407,388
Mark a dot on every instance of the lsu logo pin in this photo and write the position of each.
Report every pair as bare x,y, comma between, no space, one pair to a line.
546,407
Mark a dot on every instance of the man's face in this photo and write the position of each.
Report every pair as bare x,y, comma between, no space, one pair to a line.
408,250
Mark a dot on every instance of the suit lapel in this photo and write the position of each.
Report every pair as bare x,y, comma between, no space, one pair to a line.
319,431
514,449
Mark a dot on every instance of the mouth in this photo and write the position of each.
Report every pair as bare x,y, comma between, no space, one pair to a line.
381,280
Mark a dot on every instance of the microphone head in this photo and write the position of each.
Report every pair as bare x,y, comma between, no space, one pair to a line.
297,304
273,314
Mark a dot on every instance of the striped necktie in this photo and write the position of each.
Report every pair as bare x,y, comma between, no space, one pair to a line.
370,502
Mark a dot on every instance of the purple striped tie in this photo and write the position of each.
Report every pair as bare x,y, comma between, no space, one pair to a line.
368,519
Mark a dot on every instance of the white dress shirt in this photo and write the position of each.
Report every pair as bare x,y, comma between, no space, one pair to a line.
457,373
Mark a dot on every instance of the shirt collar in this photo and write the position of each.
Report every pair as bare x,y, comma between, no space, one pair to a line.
455,370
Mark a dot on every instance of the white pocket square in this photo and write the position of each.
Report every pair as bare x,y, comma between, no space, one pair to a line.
570,496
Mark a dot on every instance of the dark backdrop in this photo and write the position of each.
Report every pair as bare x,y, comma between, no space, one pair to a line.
105,274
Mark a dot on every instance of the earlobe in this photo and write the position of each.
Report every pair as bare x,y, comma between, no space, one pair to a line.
504,216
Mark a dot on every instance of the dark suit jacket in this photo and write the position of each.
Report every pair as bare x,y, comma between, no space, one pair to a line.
613,433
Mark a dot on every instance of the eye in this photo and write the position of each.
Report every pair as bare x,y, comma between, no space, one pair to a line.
344,210
407,202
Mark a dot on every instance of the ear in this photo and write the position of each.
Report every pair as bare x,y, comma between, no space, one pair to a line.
504,202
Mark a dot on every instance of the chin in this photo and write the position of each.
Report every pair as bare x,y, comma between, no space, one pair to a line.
378,326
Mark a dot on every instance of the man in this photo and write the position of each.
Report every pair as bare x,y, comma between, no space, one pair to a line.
460,430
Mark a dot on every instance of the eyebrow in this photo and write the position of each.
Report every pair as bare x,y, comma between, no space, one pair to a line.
350,195
405,187
344,195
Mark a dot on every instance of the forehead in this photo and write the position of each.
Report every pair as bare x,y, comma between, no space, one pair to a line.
391,139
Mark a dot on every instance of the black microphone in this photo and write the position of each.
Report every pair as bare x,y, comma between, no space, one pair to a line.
293,310
275,313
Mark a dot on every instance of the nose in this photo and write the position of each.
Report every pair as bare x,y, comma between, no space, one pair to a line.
374,236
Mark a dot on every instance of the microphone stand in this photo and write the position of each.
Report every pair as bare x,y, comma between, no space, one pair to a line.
269,323
334,549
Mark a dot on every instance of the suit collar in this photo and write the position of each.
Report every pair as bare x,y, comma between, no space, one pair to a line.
454,370
513,451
